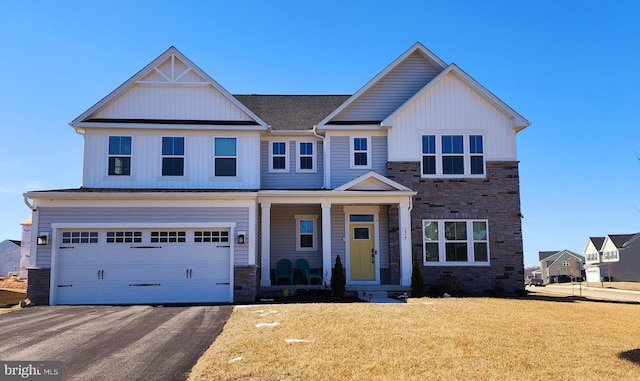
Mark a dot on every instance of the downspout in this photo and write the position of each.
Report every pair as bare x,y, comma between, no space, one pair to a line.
324,156
26,201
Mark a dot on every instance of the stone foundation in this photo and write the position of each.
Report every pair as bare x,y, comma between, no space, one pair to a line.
245,284
38,285
495,198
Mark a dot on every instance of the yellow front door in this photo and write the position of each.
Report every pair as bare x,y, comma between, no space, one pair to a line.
362,255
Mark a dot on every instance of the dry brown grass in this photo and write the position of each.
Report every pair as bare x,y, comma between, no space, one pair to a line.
428,339
633,286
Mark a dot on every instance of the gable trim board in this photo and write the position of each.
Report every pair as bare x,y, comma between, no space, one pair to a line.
84,120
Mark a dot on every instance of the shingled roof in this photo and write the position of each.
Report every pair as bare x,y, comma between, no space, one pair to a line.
292,112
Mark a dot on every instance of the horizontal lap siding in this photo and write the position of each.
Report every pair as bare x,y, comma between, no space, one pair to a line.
283,234
291,179
340,160
177,216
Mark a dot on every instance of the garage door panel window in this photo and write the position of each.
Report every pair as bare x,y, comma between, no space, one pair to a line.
168,237
124,237
211,236
80,237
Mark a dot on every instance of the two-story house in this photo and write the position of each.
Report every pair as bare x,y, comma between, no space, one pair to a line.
192,194
563,262
614,257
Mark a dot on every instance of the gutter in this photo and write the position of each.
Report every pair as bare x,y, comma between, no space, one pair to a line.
30,205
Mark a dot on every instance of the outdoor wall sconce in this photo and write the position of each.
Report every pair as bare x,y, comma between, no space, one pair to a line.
43,238
241,238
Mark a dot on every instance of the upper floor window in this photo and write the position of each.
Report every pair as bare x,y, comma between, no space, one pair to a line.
455,242
225,152
450,156
172,156
279,157
119,155
306,157
360,153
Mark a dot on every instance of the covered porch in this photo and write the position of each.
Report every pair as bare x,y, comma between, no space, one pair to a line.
366,222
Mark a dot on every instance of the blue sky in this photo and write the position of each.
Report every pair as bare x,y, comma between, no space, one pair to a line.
570,67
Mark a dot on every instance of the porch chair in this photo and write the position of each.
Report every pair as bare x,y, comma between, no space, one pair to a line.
303,266
284,270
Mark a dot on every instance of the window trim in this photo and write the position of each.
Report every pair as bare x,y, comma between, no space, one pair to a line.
215,156
272,156
119,155
299,156
173,156
467,156
306,217
470,241
353,151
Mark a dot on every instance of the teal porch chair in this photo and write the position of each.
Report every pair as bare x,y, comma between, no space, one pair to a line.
303,266
284,270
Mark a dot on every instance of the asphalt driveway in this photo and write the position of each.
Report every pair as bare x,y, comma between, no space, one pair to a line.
113,342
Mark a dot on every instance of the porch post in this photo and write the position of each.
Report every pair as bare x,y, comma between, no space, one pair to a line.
405,244
265,250
326,242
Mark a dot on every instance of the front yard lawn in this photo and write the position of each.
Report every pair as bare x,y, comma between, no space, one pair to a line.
428,339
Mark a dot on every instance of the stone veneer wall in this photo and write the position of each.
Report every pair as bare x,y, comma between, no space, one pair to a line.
495,198
38,285
245,284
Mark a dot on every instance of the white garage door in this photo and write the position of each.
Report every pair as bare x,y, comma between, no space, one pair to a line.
112,266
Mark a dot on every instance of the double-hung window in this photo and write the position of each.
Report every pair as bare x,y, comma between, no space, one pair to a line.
455,242
306,157
452,155
172,156
360,153
225,151
119,155
279,157
306,235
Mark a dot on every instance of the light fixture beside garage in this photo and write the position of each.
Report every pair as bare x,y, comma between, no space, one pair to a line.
43,238
241,238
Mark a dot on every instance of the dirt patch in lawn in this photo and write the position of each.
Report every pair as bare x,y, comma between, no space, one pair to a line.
10,298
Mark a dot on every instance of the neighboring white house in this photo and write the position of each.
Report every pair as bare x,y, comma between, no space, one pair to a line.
192,194
9,257
616,257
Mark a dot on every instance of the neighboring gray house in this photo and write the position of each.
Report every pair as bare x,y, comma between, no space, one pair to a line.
9,257
616,257
563,262
192,194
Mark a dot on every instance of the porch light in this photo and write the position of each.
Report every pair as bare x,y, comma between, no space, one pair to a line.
241,238
43,238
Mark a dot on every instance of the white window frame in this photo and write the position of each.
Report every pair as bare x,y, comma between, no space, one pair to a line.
174,156
299,156
272,155
466,154
307,217
119,155
441,241
353,151
216,156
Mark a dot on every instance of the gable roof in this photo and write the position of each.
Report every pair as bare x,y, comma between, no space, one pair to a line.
276,109
546,254
560,254
417,50
518,122
372,181
174,69
619,240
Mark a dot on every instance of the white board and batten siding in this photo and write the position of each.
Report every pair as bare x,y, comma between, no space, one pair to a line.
340,161
391,91
438,111
146,160
194,102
